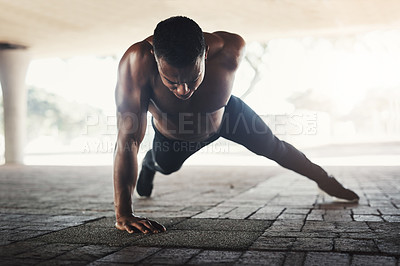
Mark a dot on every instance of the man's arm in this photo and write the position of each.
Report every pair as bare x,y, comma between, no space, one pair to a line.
132,97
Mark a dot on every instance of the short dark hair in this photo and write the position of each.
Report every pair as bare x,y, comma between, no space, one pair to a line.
179,41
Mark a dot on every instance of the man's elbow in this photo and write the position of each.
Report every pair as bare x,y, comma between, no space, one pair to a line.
128,143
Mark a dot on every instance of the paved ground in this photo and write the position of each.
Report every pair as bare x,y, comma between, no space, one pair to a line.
216,215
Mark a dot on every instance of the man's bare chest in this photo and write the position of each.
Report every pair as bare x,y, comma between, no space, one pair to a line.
206,99
193,119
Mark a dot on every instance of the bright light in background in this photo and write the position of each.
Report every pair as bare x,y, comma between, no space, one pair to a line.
343,70
89,80
334,78
350,86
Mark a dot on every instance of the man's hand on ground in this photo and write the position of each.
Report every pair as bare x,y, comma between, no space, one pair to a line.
133,224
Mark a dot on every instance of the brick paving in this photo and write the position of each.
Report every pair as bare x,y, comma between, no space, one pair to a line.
214,215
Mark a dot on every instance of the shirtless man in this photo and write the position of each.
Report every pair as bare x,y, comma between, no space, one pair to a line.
184,78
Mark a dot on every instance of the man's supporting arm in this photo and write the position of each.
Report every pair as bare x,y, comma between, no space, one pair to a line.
132,97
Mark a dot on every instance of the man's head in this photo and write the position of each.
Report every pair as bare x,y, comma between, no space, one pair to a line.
180,51
179,41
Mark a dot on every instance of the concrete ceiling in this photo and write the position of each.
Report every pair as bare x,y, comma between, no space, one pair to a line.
75,27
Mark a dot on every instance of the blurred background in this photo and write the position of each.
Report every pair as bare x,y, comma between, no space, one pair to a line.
324,75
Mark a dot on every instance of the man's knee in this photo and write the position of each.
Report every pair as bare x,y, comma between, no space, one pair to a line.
168,168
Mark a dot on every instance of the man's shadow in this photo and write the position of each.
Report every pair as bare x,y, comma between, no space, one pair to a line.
335,204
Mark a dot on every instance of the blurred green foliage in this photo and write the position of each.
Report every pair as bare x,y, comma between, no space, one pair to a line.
50,114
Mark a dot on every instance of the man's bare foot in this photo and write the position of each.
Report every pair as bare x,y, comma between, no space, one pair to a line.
331,186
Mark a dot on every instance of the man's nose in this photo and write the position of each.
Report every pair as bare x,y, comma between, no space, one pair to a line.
182,89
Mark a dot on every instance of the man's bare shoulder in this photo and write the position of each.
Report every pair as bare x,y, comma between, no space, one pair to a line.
226,45
138,54
135,73
230,39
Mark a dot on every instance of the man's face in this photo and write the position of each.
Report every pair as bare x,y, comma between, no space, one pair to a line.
182,82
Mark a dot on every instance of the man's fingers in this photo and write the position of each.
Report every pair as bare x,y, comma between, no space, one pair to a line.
149,225
134,227
140,227
128,229
158,226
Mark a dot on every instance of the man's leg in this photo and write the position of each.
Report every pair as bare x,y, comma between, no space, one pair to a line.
166,156
242,125
144,184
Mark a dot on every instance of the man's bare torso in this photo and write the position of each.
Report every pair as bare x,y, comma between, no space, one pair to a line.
200,116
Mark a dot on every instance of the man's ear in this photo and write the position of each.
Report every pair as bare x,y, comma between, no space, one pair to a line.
152,51
206,53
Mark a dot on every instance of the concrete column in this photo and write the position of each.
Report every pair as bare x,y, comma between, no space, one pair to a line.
14,61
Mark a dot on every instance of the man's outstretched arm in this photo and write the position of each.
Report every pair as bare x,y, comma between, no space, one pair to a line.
132,97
